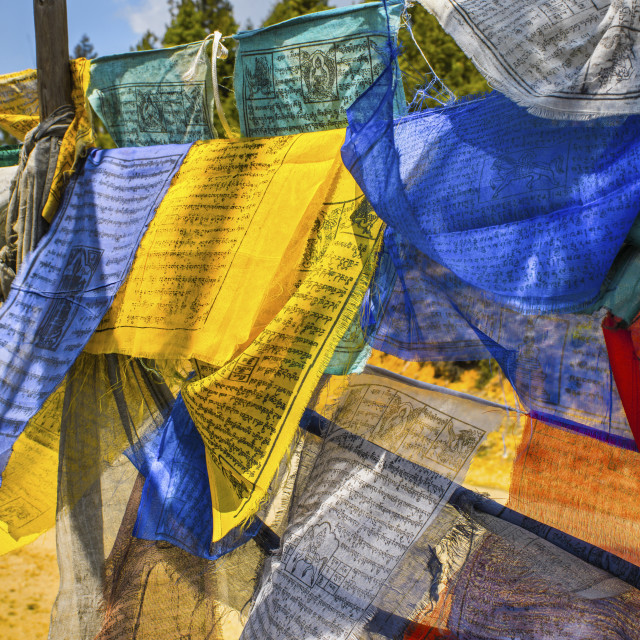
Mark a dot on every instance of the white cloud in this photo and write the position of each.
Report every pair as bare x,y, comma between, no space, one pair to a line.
147,14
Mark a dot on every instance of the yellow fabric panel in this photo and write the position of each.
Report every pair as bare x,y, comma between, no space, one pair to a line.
256,262
219,259
19,113
19,109
42,474
30,480
248,411
78,137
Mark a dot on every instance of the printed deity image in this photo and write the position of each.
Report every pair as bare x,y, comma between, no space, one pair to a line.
302,75
318,71
260,83
81,265
150,116
310,559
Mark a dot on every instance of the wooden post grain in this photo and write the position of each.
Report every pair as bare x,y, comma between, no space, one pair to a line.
52,55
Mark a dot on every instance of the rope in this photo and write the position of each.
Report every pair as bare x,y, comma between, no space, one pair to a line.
218,51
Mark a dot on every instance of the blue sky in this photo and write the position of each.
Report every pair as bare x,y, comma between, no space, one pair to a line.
112,25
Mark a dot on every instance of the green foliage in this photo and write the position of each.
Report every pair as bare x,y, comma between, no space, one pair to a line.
148,41
487,369
84,49
286,9
186,25
444,55
452,371
193,20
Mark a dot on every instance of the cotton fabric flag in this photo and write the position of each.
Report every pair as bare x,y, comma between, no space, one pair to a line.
29,481
68,282
111,404
24,225
7,175
144,99
264,304
216,226
499,579
301,75
77,139
549,484
567,59
247,412
625,369
9,155
529,210
19,109
553,567
382,544
621,288
557,363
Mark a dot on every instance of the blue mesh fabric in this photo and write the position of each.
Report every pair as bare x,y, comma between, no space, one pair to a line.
175,505
529,210
557,363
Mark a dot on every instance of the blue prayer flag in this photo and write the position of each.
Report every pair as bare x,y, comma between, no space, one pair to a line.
530,210
67,284
176,500
558,363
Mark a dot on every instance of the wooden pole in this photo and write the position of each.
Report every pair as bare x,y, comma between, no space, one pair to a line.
52,55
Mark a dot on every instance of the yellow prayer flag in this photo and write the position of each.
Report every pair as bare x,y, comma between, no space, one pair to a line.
220,257
78,137
248,411
20,112
19,109
29,482
78,434
256,262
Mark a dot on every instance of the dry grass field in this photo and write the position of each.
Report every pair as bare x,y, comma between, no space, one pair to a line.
28,587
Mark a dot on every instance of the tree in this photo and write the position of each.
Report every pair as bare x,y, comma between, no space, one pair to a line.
148,41
193,20
286,9
84,49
